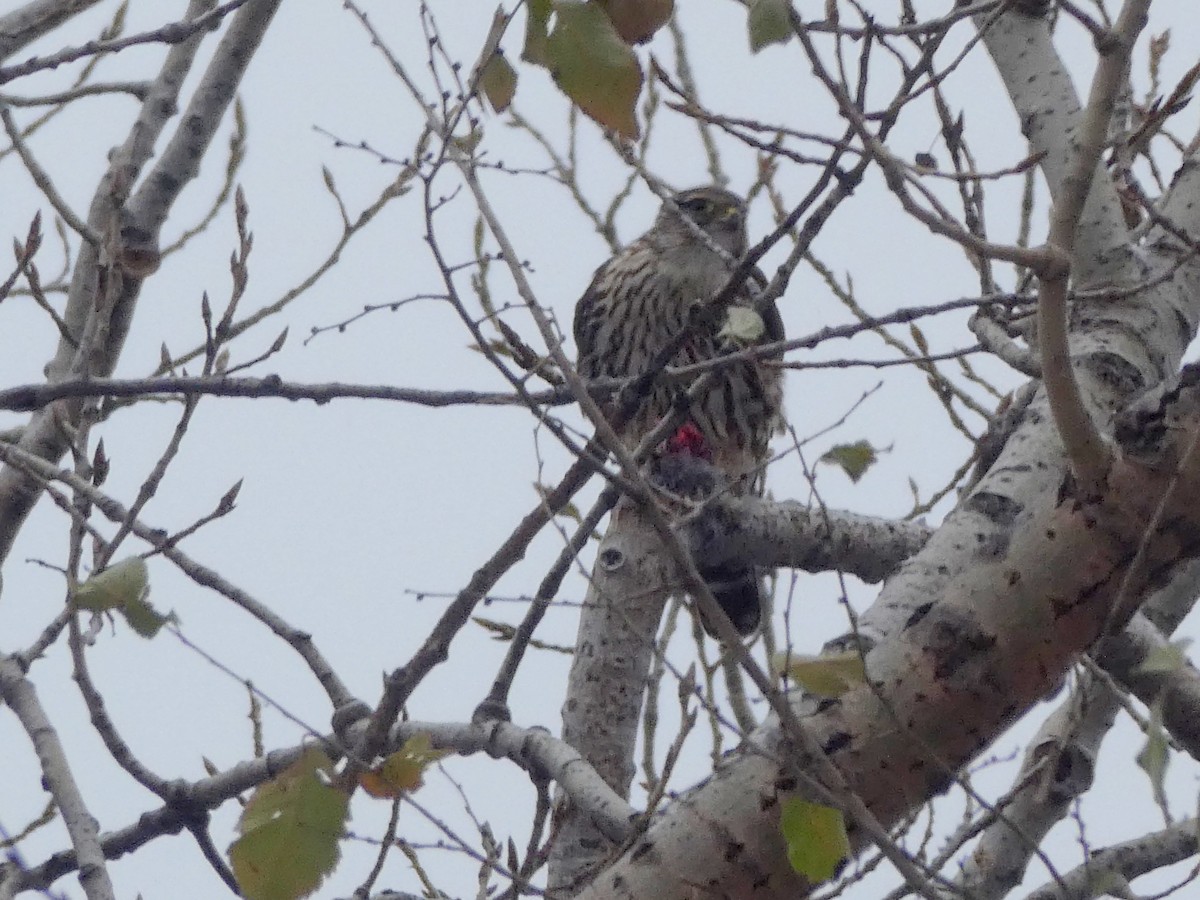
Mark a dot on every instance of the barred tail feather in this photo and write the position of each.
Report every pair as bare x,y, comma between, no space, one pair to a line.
739,592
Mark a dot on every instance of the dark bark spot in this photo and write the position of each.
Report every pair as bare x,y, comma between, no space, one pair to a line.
611,559
954,644
939,781
995,507
1118,373
641,850
1184,326
1062,770
734,850
991,546
1066,490
918,614
1060,606
837,741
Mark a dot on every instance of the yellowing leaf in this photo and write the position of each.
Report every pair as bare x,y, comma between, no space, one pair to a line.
289,831
854,459
115,587
144,619
123,588
1155,755
637,20
469,141
1170,658
537,17
402,771
827,676
593,66
918,335
743,325
816,838
498,82
769,23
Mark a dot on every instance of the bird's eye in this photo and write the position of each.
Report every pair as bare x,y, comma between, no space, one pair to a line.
701,205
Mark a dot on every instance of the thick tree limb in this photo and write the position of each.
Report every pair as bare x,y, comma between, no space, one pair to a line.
1058,768
777,534
21,697
132,233
998,636
1085,448
1060,761
1129,860
1048,107
1178,690
172,33
23,26
537,752
629,586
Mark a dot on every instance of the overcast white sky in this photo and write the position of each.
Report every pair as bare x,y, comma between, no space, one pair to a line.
349,508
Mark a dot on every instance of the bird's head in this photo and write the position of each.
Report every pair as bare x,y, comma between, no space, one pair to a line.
721,214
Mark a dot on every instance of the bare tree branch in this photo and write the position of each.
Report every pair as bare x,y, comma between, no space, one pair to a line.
35,19
21,697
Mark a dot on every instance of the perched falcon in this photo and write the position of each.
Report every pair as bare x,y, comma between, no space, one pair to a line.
637,303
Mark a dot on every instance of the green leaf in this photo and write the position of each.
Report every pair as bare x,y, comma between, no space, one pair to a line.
145,620
569,509
1155,755
118,585
769,23
537,16
469,141
593,66
498,82
742,325
854,459
289,831
816,838
1168,659
828,676
123,588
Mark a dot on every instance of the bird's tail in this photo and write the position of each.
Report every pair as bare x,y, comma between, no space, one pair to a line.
738,590
737,587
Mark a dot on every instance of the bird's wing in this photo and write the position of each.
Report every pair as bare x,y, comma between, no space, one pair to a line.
588,312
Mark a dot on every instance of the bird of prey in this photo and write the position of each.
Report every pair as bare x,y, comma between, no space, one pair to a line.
638,302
